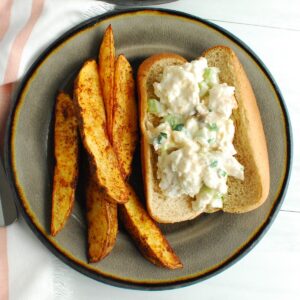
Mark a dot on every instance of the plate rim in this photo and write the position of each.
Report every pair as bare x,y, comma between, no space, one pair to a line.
125,283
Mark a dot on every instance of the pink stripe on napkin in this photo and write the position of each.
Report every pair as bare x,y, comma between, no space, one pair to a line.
5,92
5,12
11,74
3,266
15,55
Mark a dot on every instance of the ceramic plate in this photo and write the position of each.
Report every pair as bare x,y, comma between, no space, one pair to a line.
206,245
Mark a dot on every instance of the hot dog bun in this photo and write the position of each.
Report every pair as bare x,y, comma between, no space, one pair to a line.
249,140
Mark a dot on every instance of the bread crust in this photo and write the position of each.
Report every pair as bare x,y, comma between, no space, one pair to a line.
163,210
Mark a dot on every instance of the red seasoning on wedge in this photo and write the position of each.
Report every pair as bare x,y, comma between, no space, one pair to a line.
92,124
66,162
106,74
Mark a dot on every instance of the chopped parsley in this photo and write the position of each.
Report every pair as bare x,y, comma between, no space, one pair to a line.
213,164
222,173
161,137
178,127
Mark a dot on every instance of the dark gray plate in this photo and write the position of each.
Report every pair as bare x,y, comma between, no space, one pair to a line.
126,3
206,245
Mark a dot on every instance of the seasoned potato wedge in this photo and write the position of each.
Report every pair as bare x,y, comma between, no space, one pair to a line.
102,215
102,222
147,234
124,125
92,124
106,74
66,162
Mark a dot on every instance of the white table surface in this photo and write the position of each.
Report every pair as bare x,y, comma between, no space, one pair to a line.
272,269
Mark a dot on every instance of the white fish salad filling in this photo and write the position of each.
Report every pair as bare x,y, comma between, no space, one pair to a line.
194,137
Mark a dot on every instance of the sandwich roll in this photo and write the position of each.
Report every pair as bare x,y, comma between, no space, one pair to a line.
203,146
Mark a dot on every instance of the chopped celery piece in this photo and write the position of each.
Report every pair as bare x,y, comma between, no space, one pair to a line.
207,192
173,120
212,126
154,107
210,76
203,86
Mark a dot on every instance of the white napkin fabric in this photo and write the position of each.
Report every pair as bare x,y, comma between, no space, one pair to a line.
34,24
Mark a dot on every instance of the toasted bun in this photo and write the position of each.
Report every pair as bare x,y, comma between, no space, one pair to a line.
249,140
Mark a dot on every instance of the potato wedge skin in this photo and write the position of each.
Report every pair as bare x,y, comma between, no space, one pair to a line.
92,124
66,162
102,222
106,74
125,130
146,234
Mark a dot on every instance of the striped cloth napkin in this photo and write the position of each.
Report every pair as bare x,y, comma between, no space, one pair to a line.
27,270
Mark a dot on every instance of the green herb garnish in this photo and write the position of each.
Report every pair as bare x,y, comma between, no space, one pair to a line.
222,173
161,137
213,164
178,127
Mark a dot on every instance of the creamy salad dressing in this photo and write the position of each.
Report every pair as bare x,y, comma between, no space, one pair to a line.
194,138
